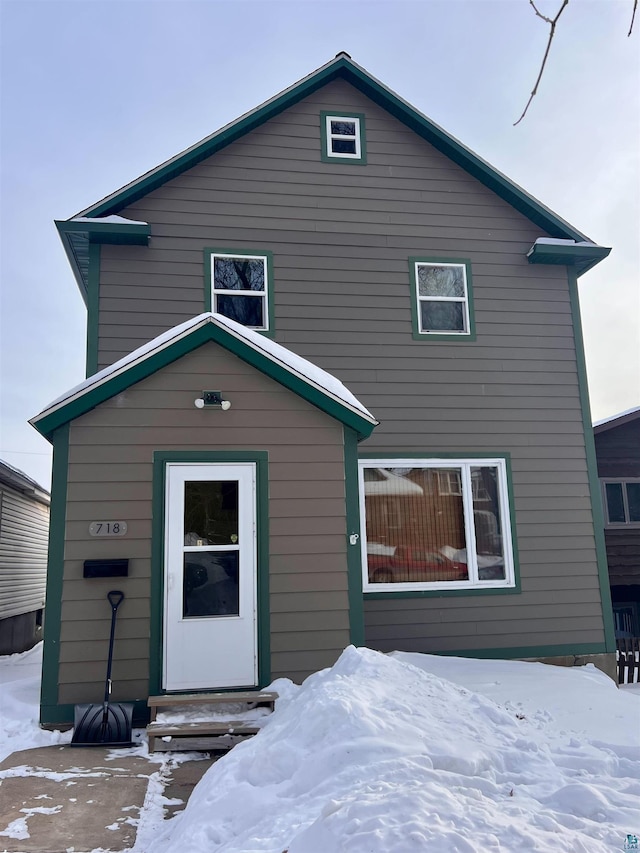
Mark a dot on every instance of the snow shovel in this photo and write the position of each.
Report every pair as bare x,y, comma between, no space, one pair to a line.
109,723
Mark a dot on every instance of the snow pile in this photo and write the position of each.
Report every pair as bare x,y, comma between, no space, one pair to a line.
377,755
19,704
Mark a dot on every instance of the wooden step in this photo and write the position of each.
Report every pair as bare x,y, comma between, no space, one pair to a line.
250,698
216,733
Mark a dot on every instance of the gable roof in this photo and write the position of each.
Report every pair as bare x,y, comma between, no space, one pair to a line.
616,420
309,381
340,68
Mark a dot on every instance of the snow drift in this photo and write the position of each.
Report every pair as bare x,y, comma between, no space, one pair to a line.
377,755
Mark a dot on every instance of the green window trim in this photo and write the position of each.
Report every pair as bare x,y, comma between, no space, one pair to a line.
327,156
512,584
262,254
469,332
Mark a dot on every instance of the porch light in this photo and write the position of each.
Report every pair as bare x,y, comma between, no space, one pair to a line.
212,399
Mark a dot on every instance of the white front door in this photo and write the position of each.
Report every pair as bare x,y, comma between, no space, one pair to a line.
210,637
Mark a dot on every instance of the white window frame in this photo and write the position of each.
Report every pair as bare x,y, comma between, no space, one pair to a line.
254,294
461,299
465,465
623,481
357,136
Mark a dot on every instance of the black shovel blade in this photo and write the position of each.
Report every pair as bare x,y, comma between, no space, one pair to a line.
108,724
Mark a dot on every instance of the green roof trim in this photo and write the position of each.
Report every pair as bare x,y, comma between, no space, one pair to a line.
343,68
78,235
579,255
111,382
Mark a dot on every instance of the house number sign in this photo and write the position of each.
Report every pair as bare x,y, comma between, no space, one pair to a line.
107,528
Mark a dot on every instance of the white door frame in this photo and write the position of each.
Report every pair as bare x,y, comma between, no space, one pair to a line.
209,652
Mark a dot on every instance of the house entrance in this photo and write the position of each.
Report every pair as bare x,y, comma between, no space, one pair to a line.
210,571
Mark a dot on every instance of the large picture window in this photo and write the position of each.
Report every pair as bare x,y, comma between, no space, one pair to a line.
441,298
435,524
240,287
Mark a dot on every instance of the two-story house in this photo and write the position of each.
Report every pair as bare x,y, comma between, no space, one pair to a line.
335,394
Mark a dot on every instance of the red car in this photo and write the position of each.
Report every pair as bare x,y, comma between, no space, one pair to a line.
409,564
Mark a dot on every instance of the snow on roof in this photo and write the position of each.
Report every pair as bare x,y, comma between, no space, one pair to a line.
310,373
558,241
19,479
626,414
113,220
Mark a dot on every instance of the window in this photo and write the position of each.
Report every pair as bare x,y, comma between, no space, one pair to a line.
621,502
441,298
343,138
435,525
240,286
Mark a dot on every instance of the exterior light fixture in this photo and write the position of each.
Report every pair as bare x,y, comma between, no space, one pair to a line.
212,400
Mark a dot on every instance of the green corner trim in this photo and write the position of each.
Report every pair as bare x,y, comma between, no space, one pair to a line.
199,335
354,559
93,308
470,335
346,69
592,466
269,332
55,571
324,141
581,257
576,650
160,459
516,589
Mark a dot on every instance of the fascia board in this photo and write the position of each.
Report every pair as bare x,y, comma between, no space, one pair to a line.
108,386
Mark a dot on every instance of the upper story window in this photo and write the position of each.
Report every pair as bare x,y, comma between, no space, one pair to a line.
621,502
436,524
441,299
239,285
343,137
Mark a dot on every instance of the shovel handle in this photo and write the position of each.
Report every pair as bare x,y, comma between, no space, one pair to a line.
115,598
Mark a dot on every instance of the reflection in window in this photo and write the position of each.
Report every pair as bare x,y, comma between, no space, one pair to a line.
435,524
239,288
622,502
441,294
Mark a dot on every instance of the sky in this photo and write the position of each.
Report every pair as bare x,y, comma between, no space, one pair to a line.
94,93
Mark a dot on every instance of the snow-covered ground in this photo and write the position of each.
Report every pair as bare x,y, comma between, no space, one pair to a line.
403,753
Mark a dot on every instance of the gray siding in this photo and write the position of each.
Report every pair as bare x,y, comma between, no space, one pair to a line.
341,236
110,477
24,531
618,454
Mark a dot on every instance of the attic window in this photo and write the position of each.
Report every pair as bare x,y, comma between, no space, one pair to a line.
441,298
240,287
343,137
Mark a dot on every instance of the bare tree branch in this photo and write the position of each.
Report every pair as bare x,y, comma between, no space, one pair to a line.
552,24
633,16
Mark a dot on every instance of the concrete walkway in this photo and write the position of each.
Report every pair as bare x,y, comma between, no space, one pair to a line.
57,798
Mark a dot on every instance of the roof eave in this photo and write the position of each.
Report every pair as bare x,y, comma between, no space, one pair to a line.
103,389
582,258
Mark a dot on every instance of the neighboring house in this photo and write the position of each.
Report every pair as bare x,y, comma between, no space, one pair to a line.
618,453
260,515
24,532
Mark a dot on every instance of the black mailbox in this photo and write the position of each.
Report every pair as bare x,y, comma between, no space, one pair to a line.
106,568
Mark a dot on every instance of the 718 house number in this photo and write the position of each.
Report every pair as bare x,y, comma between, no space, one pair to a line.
107,528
